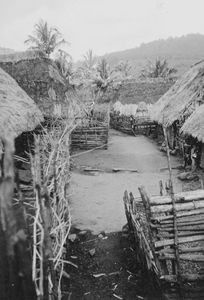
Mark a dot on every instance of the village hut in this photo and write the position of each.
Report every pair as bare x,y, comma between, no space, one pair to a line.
194,127
18,112
142,107
39,77
180,101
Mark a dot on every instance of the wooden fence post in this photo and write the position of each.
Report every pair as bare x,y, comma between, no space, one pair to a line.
15,259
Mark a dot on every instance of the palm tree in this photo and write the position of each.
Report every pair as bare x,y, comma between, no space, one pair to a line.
103,69
158,69
89,60
123,67
45,38
65,65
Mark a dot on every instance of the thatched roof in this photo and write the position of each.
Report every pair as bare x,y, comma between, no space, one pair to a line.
133,91
23,55
194,125
179,100
34,55
18,112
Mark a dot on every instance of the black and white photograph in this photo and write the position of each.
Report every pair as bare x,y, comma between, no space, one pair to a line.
101,149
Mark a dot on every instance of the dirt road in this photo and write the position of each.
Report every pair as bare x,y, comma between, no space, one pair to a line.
97,196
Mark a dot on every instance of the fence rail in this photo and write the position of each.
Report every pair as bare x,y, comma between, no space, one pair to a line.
133,125
152,221
85,138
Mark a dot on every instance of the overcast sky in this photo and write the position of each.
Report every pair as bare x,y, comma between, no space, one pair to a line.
101,25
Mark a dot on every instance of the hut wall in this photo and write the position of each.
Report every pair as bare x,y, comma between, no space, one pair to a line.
171,137
37,78
202,157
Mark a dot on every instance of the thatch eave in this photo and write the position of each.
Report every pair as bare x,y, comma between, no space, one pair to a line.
30,55
181,97
18,112
194,125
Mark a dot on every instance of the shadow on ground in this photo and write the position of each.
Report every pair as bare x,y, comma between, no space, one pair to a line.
106,269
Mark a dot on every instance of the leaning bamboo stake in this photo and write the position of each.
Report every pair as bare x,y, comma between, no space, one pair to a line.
177,257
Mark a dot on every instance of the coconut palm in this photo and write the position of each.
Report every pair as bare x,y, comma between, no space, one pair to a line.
45,38
159,68
65,64
103,69
89,60
123,67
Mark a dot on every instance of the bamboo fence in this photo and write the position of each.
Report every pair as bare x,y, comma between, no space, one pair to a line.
85,138
170,240
52,220
133,125
35,218
92,131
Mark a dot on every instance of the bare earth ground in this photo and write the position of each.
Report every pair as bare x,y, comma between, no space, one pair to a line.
97,197
110,270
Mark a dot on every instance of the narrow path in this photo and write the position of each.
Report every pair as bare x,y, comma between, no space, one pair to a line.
105,261
97,196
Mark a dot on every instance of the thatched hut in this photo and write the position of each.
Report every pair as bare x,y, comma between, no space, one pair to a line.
180,101
142,108
39,77
18,112
194,127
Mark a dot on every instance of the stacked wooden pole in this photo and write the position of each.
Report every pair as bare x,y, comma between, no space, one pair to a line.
155,240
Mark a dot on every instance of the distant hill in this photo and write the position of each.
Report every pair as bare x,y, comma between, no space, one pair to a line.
6,51
181,53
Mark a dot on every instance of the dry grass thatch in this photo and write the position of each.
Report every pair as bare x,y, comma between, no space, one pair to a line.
18,112
181,97
133,91
30,55
194,126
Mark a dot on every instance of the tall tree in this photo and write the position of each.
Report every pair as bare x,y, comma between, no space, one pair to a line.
103,69
159,68
123,67
45,38
89,60
65,64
